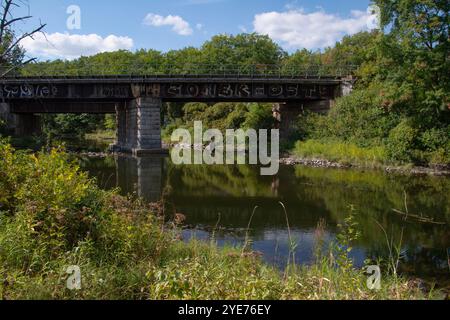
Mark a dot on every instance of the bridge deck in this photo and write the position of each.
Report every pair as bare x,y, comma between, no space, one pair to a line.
116,88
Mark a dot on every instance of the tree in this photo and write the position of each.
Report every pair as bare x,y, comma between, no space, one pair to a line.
242,50
12,54
186,60
415,52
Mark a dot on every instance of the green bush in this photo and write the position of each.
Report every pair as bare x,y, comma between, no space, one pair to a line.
71,125
110,122
50,207
440,157
192,111
402,141
259,116
357,118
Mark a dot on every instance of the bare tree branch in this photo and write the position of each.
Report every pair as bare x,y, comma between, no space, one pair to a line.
24,36
11,52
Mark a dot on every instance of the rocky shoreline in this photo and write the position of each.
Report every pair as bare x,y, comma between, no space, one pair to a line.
323,163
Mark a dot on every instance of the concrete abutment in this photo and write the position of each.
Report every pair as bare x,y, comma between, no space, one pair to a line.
19,124
139,126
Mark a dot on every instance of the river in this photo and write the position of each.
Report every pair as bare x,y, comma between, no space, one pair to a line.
220,200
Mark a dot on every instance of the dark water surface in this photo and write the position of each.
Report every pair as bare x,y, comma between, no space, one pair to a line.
225,196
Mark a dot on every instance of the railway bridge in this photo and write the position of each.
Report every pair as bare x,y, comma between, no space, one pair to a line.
137,99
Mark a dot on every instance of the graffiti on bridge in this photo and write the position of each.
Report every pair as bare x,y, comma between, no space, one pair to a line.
172,91
28,91
237,91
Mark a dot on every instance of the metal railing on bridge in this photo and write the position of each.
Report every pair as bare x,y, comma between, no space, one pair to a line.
79,69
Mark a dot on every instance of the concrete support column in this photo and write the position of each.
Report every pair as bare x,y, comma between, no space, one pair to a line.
7,119
148,125
347,86
121,124
27,124
287,115
139,127
130,127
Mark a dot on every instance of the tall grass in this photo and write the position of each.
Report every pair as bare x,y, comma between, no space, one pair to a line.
342,152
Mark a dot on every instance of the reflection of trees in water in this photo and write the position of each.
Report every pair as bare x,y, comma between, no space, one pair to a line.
315,193
374,195
236,213
102,169
237,181
425,195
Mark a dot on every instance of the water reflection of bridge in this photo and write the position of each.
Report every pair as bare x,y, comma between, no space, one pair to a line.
142,176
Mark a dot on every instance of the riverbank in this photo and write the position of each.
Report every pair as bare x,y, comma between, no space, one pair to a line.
54,216
345,155
291,159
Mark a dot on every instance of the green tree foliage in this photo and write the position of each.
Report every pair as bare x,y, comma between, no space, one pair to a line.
349,55
231,115
259,116
12,57
402,97
221,52
416,51
358,118
71,125
242,50
401,143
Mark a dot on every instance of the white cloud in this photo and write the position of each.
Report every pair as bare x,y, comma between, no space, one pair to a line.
296,29
199,26
72,46
179,25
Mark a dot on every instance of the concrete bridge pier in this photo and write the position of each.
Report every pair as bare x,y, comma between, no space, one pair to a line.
27,125
7,120
288,113
139,126
19,124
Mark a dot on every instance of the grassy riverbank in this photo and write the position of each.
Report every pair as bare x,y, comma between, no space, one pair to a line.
105,136
53,216
342,152
338,154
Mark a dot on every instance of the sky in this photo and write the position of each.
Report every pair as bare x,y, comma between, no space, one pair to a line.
86,27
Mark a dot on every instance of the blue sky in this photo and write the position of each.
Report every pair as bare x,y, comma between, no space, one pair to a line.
108,25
